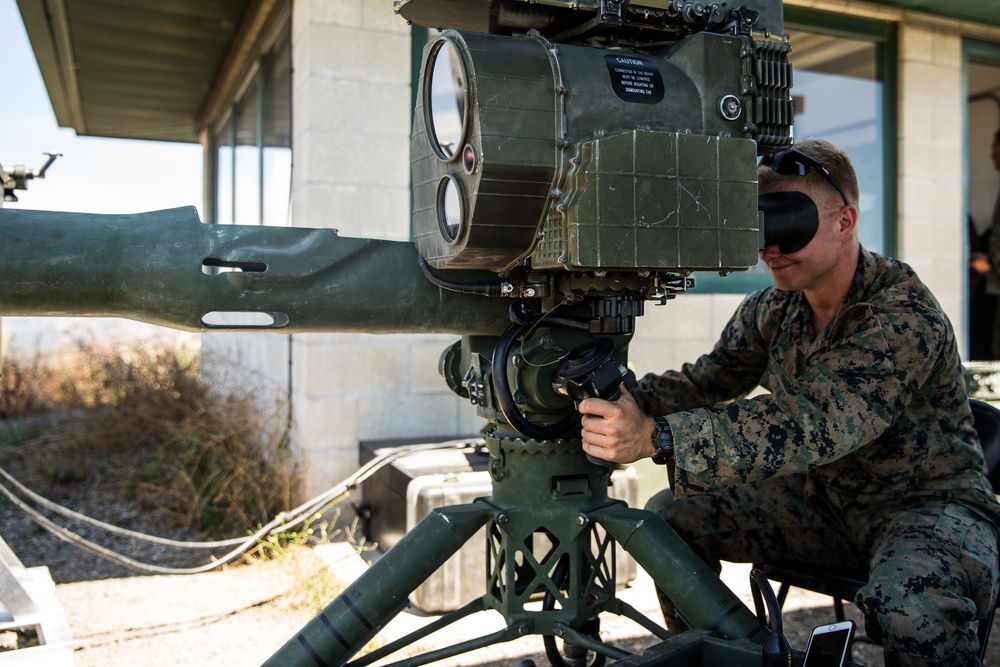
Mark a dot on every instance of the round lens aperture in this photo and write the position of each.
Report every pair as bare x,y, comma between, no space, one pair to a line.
450,208
447,101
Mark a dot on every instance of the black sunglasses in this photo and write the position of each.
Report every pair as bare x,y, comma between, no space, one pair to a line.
796,163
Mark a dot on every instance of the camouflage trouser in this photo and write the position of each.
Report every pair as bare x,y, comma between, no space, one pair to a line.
933,569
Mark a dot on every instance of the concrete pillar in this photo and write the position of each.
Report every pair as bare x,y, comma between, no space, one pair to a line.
352,109
931,224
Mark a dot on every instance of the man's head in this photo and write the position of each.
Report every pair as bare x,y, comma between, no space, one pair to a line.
810,195
839,171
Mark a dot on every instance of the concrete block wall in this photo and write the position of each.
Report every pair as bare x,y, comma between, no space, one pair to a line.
679,332
931,190
352,107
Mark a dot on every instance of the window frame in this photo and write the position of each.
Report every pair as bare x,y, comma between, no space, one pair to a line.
253,73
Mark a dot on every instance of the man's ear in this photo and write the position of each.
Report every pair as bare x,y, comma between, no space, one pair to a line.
848,220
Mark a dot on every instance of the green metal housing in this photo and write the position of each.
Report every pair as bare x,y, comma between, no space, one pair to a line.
581,159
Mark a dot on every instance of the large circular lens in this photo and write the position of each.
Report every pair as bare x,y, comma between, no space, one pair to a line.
450,208
447,100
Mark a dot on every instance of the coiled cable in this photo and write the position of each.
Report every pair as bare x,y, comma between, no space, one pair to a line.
281,523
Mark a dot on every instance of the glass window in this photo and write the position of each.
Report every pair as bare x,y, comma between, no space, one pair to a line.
982,81
254,146
838,96
841,90
277,161
246,178
224,174
983,84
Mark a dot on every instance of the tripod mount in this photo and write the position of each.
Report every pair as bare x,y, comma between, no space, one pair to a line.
551,527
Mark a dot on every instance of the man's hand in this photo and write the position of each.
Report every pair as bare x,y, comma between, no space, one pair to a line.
616,431
979,262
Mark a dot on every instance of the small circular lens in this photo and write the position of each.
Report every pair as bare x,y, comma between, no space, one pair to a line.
469,159
451,210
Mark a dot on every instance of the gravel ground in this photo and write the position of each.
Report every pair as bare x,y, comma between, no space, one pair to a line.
242,614
107,494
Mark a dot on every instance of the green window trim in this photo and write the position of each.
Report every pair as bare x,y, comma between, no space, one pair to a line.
418,39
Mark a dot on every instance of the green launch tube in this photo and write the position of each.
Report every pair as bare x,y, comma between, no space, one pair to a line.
167,268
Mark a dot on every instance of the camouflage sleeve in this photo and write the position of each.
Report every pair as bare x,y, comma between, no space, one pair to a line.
731,370
849,393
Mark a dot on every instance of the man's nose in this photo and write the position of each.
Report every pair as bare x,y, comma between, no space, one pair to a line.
769,251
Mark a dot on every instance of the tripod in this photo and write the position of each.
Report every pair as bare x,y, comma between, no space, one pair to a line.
551,531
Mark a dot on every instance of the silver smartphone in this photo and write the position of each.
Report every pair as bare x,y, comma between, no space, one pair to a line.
830,645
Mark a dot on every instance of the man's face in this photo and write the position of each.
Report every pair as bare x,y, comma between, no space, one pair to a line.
809,267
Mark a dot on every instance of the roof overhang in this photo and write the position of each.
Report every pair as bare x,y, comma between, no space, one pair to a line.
984,12
164,69
141,70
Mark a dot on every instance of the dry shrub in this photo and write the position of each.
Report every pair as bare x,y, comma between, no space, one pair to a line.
219,452
30,386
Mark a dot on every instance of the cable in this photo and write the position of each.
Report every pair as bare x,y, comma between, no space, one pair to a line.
280,523
477,287
776,651
97,523
505,399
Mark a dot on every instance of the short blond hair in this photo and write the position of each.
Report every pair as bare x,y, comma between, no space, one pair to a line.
827,154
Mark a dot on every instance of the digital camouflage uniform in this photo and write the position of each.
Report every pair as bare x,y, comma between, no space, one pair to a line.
862,455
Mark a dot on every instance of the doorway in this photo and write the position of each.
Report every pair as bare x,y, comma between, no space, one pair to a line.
982,200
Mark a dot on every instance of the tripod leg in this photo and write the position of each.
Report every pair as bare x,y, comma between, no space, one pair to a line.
697,591
358,613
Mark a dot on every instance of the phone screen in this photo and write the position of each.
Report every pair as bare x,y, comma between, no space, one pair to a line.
828,649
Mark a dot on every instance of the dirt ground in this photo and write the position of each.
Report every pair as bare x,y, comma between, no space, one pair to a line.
240,616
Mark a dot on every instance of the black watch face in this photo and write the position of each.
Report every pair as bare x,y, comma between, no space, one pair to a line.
662,442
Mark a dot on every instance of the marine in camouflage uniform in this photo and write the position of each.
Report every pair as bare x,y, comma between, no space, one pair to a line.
862,455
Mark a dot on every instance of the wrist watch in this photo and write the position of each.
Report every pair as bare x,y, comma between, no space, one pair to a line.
663,442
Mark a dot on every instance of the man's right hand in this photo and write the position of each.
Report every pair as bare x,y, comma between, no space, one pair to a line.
617,431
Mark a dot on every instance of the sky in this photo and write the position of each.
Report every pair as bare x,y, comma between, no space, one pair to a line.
93,175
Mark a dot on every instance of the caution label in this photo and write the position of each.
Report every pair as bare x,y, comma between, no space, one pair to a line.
634,79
